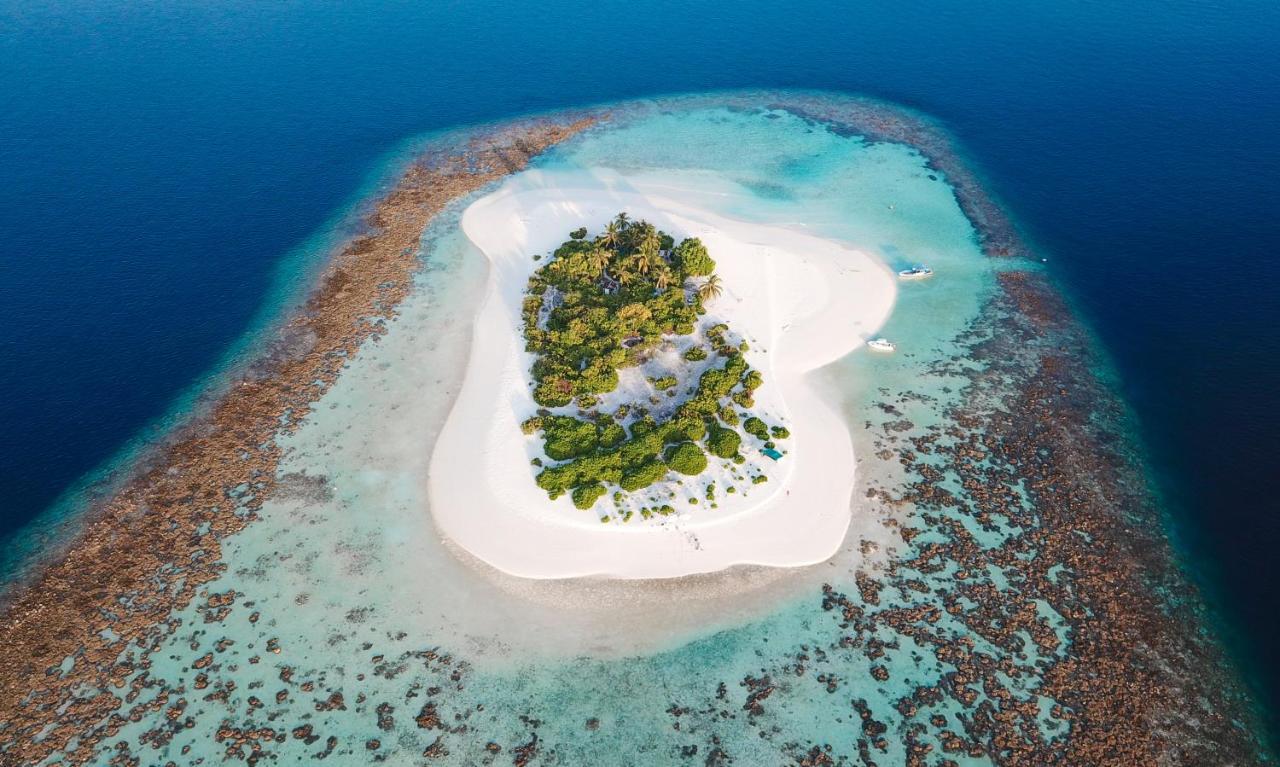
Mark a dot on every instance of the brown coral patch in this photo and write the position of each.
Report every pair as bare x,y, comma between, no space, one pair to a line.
149,549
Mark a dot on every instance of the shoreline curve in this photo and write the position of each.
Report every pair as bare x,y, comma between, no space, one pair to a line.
808,300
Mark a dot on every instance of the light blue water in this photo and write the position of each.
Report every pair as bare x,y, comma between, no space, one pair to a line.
354,586
156,164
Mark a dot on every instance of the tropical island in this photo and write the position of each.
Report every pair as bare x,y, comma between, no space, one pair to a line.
638,400
636,385
283,538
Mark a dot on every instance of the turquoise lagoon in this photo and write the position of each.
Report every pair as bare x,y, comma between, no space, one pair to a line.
359,595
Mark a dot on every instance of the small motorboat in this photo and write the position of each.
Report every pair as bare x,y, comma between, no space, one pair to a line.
915,273
880,345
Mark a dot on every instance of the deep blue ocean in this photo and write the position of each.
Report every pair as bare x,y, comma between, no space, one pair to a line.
157,161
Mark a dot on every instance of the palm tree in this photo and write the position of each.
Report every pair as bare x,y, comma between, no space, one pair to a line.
612,235
599,260
662,280
623,221
645,260
649,239
711,288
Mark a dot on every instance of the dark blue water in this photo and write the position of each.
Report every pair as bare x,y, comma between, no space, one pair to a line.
157,161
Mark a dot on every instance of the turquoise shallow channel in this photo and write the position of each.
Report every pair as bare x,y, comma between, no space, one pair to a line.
936,636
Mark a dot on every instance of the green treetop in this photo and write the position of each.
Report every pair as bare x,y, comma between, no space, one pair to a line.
601,304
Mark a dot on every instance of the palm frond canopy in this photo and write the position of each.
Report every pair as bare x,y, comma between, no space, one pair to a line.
710,288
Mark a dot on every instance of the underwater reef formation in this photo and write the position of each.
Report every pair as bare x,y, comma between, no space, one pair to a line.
106,602
1030,610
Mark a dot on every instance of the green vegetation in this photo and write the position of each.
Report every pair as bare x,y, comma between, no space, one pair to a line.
692,257
756,428
663,383
643,475
602,304
710,288
607,302
569,438
729,415
687,458
586,496
723,442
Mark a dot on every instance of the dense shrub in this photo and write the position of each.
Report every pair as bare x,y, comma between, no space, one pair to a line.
567,437
692,257
722,442
551,394
557,480
779,432
581,344
756,428
687,428
643,475
687,458
642,426
601,304
612,435
641,450
713,385
585,497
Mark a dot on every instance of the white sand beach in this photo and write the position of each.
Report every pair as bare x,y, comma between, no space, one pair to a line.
801,301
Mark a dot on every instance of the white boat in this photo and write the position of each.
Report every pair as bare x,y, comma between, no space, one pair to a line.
881,345
915,273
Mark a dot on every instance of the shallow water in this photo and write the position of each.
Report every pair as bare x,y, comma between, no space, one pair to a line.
155,165
354,584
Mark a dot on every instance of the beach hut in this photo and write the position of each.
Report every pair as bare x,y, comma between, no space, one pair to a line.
774,454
